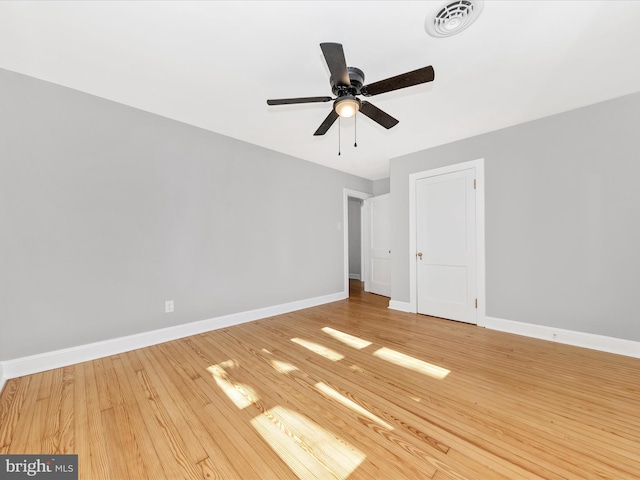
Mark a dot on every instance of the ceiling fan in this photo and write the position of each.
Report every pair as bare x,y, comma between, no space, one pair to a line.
347,84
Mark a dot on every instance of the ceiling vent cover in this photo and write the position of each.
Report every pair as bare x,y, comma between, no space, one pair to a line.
453,17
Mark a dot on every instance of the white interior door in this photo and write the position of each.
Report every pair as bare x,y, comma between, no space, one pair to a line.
446,246
378,245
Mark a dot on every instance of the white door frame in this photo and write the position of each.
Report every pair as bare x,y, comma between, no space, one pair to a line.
346,193
480,247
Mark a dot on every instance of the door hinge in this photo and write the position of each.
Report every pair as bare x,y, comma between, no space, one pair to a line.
474,183
476,303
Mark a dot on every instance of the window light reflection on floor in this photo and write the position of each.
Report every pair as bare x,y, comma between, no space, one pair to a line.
241,395
319,349
331,393
307,448
411,363
282,367
352,341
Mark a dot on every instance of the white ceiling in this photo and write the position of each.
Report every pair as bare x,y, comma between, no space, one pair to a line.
214,64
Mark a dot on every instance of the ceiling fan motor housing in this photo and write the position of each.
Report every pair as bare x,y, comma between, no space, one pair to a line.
356,77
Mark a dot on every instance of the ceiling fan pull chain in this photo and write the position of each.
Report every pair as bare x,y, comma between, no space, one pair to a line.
355,130
339,129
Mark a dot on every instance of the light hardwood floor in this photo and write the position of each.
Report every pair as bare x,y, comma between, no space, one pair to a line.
345,390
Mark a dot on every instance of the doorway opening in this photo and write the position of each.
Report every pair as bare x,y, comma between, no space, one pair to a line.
353,228
355,234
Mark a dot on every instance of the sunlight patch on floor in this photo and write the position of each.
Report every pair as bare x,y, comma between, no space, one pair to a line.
282,367
241,395
411,363
331,393
307,448
319,349
229,364
352,341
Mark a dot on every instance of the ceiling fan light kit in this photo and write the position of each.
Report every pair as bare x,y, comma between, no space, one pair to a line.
347,83
347,106
452,17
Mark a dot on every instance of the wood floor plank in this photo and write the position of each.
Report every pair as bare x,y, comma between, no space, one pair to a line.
28,411
102,384
123,425
158,453
161,407
50,435
64,438
141,454
34,437
95,447
115,447
11,404
46,384
347,390
80,432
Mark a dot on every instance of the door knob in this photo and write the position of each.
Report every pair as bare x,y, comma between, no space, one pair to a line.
420,255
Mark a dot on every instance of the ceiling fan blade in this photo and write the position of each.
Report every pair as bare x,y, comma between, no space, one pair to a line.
324,126
334,55
409,79
377,115
289,101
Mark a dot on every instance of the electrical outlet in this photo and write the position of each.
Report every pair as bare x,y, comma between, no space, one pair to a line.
168,306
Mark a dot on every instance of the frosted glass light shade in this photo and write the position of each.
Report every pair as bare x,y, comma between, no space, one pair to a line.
347,106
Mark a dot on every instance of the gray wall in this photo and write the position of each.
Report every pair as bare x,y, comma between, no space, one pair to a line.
382,186
107,211
355,237
562,218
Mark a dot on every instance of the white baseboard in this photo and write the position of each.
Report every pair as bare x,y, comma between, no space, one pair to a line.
60,358
400,306
569,337
354,276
